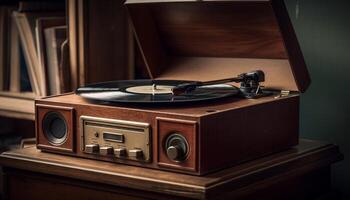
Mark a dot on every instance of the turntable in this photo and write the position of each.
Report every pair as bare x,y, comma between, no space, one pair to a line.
224,89
174,91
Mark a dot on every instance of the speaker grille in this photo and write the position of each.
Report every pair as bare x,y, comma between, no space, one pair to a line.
55,127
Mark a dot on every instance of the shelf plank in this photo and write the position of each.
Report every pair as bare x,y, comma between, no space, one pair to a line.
17,107
21,95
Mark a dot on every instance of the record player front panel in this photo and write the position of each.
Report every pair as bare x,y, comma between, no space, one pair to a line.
117,139
193,139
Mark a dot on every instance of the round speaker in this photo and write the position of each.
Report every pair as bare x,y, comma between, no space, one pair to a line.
55,127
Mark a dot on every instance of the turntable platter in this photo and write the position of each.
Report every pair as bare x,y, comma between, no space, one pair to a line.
152,91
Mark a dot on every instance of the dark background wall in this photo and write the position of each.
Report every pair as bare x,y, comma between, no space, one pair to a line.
323,30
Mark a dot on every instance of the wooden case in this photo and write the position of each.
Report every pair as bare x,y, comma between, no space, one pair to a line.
206,40
210,39
220,134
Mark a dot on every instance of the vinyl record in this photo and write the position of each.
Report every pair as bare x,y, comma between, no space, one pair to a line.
152,91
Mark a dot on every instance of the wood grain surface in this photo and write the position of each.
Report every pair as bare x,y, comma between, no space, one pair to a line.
306,157
218,35
100,41
229,131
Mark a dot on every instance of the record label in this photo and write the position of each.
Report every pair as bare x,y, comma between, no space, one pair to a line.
150,89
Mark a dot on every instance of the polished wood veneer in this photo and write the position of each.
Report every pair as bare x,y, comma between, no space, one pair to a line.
302,172
198,41
216,39
220,133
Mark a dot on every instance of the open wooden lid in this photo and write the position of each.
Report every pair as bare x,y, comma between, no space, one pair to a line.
206,40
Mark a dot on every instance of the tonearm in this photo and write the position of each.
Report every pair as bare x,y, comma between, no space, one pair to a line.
249,88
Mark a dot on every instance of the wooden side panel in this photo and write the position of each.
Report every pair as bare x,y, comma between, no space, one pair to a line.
28,185
244,134
297,183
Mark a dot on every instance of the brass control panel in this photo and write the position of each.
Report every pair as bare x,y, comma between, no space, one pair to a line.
115,138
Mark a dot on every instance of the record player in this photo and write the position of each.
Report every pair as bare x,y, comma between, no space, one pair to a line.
184,119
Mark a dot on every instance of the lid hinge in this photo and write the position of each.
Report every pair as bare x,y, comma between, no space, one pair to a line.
283,93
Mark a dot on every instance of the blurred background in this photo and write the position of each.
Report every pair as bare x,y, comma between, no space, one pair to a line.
323,30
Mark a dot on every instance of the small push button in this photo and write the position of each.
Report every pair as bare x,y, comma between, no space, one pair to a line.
120,152
106,150
136,153
91,148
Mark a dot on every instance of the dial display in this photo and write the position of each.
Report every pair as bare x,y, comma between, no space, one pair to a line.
115,137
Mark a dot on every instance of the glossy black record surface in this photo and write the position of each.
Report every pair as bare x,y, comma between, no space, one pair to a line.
157,91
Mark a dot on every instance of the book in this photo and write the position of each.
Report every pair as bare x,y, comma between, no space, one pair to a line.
25,28
54,38
24,81
19,78
26,22
14,64
65,76
41,25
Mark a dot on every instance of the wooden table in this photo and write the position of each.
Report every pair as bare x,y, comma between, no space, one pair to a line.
299,173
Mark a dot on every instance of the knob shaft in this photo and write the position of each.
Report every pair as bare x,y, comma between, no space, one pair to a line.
176,147
175,152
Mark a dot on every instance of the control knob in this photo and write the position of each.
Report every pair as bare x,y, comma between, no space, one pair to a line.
176,147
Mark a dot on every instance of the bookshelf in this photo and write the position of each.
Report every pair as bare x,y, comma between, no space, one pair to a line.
99,47
17,105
